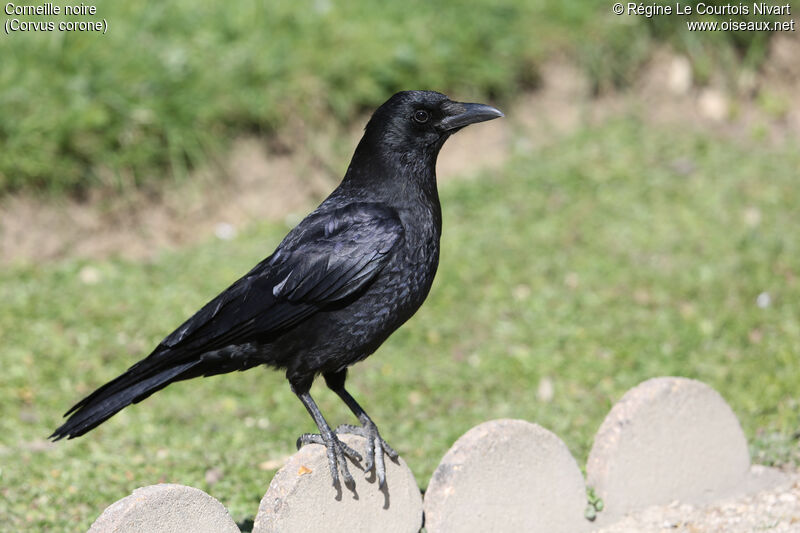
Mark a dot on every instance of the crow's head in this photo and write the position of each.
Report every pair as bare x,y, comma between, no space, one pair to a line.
420,121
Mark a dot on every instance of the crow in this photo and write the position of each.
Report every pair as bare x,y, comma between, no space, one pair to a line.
342,281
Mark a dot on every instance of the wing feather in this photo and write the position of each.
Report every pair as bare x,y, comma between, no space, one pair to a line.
328,257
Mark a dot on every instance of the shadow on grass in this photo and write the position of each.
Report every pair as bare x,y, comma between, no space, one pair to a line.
246,525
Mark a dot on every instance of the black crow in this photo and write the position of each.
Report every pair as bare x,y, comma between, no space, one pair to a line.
336,287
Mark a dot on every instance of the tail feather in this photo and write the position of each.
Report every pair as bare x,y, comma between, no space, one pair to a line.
133,386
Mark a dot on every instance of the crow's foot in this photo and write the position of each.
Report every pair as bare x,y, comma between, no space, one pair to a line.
337,451
376,447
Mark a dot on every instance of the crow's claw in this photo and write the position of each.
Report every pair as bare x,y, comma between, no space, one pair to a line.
376,447
337,451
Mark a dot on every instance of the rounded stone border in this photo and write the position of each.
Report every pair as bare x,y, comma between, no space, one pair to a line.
165,508
506,475
668,438
301,497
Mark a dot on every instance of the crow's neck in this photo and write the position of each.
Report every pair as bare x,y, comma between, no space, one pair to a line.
400,178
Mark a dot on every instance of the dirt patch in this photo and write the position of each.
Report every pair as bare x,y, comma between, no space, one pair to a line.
255,183
271,179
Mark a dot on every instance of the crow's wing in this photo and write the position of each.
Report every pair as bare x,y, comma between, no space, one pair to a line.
329,256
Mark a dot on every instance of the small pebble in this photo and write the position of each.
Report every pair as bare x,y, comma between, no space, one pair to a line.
225,231
213,475
763,300
89,275
545,391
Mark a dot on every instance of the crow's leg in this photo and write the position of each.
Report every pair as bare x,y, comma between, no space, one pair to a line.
376,446
337,450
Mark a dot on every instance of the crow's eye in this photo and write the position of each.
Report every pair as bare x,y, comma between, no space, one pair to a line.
421,116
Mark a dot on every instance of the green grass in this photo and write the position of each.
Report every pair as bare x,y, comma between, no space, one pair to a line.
152,98
610,257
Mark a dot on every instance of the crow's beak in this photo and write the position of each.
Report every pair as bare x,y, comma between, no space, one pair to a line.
461,114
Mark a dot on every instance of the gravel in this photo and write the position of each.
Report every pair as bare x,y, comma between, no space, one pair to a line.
775,510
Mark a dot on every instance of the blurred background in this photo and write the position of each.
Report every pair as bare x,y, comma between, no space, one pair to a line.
634,215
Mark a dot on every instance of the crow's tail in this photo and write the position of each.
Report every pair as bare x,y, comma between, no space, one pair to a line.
139,382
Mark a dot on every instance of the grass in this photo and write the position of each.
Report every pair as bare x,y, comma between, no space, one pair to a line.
149,99
616,255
